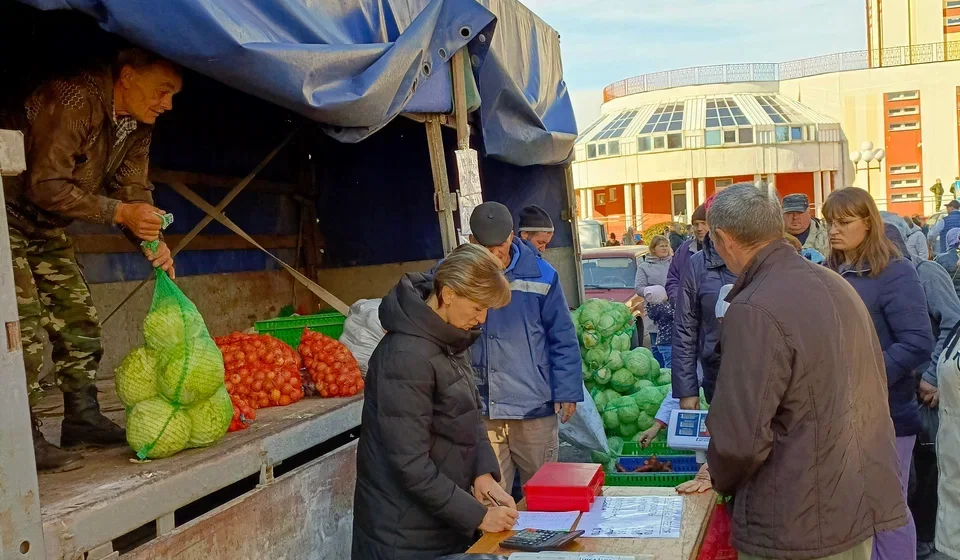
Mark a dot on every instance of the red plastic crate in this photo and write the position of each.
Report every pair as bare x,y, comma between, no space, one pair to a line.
564,487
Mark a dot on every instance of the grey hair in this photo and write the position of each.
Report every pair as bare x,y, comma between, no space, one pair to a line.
138,59
747,214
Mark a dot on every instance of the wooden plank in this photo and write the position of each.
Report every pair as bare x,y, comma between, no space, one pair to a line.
460,99
108,243
220,181
441,185
697,509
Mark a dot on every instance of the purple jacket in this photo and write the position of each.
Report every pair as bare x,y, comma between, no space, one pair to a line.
681,260
896,301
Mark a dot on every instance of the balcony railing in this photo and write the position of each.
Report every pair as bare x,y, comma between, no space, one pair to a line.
772,71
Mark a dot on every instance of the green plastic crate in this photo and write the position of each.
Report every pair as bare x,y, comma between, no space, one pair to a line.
290,329
658,448
649,480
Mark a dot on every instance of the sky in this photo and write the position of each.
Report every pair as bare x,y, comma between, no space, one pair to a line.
603,41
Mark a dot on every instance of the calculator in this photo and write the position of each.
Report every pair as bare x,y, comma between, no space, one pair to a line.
535,540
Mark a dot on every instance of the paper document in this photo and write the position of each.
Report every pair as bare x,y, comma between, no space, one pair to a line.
546,520
633,517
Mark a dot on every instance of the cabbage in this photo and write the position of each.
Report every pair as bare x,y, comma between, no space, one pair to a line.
597,356
615,445
610,420
615,361
627,409
210,419
590,385
622,381
653,372
168,325
600,399
602,377
644,421
649,400
155,429
611,395
136,377
193,373
607,325
703,401
640,384
590,313
665,377
628,430
590,339
585,373
637,362
665,390
621,342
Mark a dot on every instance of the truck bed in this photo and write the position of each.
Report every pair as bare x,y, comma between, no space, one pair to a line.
114,494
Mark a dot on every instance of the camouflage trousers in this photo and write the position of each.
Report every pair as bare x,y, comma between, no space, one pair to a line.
53,296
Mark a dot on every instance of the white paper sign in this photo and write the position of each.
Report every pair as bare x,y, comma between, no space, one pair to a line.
633,517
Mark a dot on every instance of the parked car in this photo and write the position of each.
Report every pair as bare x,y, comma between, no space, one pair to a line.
610,273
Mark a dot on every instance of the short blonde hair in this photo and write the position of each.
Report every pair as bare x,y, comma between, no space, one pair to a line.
473,272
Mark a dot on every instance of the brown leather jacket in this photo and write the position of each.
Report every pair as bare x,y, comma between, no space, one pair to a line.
800,426
76,149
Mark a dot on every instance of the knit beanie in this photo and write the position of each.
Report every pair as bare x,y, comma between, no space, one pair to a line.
700,214
534,218
491,224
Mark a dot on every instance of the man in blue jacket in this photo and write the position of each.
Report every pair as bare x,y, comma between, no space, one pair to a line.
527,359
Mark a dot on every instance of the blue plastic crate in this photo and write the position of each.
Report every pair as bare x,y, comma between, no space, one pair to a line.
685,467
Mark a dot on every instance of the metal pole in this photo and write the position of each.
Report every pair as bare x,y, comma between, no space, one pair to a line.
21,529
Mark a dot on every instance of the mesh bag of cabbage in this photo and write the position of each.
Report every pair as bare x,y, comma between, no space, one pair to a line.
173,387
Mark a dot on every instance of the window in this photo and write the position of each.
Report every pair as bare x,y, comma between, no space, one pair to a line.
905,197
721,184
952,4
724,112
667,117
613,194
678,192
644,144
778,113
904,183
591,127
912,125
613,148
952,21
783,133
901,169
658,143
729,136
601,149
903,95
796,134
591,151
900,111
609,272
674,141
713,137
746,136
601,199
617,126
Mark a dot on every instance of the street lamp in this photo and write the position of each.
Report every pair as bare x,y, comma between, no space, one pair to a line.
867,155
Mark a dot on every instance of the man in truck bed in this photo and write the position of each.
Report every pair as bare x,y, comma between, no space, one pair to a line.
83,135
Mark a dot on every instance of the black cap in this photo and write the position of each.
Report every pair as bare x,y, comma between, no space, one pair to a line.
953,204
491,224
534,218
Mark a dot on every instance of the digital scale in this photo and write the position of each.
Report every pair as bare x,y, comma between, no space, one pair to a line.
688,431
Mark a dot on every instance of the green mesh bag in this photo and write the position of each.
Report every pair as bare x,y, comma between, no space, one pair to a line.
173,386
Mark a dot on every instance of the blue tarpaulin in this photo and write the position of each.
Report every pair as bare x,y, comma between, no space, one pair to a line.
354,65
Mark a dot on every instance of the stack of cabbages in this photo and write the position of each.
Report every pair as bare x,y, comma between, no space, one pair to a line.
627,385
173,387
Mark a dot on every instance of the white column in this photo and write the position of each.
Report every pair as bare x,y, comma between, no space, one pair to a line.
827,184
772,184
628,205
817,192
589,192
582,193
690,205
701,190
756,180
638,197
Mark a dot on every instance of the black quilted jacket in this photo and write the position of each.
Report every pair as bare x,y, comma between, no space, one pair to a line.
423,442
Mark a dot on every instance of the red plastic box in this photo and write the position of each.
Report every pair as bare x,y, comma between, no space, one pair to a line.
564,487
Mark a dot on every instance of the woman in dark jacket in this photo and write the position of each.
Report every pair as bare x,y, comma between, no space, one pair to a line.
423,445
696,328
889,286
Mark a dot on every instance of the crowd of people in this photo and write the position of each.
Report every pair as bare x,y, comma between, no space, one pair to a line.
823,348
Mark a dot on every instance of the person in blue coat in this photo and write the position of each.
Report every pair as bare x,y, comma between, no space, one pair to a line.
527,359
890,287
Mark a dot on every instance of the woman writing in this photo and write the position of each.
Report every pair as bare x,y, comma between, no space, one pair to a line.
424,445
889,286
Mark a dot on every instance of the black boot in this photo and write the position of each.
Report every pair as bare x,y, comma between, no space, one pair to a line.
50,458
83,424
